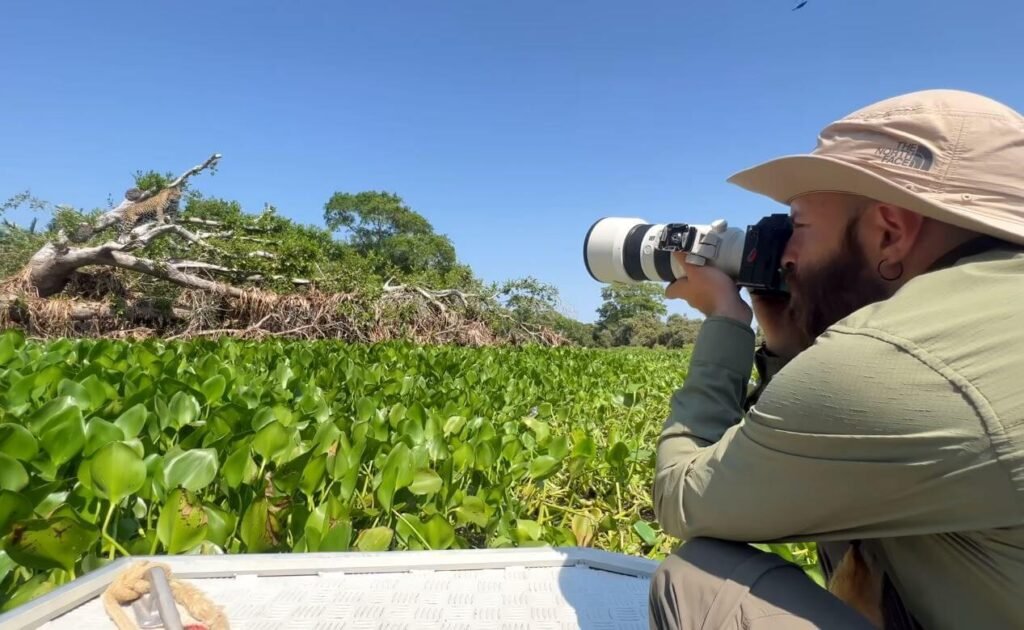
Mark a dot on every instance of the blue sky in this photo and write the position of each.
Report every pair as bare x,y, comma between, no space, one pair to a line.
511,126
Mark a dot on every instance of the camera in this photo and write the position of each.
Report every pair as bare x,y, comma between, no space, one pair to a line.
630,250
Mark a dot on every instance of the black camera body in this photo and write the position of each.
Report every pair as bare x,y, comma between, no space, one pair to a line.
761,271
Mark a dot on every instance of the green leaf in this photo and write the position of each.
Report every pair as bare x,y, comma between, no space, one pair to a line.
262,417
12,474
36,587
219,524
99,433
365,409
117,471
6,564
473,510
183,522
48,412
326,438
7,348
453,425
527,530
13,507
618,454
18,442
396,474
585,448
132,420
270,441
260,529
541,429
53,543
284,415
396,415
542,467
646,533
338,536
63,437
183,410
375,539
559,447
239,467
484,456
583,530
193,469
439,532
425,481
214,388
19,394
96,390
77,393
313,474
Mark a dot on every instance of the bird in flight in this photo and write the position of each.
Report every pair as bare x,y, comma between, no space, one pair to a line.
799,6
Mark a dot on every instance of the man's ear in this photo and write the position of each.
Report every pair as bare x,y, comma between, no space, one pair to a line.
892,231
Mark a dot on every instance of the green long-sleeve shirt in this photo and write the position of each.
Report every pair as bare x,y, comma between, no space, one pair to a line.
902,426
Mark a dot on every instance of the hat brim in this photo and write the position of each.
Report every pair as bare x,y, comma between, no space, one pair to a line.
786,178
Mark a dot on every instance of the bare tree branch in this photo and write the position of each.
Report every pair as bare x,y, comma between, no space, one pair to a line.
206,235
79,310
195,265
261,278
211,223
50,269
430,294
145,234
210,161
116,215
201,221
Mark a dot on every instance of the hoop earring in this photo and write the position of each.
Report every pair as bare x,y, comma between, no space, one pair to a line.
888,279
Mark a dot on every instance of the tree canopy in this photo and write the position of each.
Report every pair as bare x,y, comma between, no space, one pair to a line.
370,242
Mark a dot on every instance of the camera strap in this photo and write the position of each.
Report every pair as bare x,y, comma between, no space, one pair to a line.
969,248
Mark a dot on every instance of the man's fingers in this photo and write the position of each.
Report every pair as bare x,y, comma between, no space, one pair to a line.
677,289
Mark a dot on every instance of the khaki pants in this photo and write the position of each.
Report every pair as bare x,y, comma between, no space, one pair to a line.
710,584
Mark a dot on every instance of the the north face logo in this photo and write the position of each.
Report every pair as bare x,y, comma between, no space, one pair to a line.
910,154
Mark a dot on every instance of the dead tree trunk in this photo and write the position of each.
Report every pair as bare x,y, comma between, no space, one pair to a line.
52,267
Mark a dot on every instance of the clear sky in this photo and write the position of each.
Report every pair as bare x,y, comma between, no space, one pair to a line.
511,126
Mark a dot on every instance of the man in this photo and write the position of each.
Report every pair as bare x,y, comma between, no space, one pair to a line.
889,422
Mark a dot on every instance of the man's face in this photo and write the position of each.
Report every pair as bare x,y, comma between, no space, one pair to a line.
829,275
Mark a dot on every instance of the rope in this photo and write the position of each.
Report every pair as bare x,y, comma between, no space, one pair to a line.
131,584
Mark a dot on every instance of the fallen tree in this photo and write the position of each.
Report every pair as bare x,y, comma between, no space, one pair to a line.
53,266
83,281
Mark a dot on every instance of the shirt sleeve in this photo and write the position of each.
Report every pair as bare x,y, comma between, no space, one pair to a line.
856,437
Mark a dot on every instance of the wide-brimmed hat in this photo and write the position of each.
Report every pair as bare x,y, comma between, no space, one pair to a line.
954,156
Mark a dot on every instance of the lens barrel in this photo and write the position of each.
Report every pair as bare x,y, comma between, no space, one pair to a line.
629,249
624,249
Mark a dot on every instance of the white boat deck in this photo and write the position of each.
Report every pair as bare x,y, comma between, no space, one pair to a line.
506,589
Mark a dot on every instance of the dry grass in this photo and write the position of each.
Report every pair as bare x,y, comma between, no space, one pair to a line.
396,315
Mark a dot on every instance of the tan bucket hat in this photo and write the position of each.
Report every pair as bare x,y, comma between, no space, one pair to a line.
954,156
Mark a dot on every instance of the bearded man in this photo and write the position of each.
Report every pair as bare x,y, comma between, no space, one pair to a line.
888,423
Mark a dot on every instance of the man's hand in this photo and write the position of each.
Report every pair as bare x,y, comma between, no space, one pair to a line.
709,290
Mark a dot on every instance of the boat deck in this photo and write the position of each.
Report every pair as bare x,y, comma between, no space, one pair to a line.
506,589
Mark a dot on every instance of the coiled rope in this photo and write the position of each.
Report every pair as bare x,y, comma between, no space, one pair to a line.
132,584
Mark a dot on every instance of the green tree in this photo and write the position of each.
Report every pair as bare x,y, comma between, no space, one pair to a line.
528,300
679,331
623,301
640,330
398,240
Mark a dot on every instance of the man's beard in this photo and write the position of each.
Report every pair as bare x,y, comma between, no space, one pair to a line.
824,295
